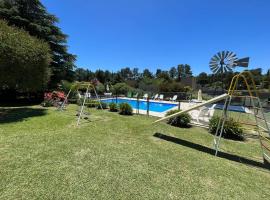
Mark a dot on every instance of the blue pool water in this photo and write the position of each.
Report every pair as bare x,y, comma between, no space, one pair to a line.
153,106
231,108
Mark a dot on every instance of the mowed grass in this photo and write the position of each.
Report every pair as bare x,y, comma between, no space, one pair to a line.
43,155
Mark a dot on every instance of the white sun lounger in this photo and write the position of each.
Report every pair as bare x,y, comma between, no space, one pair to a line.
145,96
155,97
174,98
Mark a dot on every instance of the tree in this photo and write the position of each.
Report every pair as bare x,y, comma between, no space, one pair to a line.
135,73
267,80
202,79
24,60
32,16
126,73
158,72
184,70
81,74
100,75
180,71
187,70
121,88
173,73
147,74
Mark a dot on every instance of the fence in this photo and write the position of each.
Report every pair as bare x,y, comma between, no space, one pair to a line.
142,104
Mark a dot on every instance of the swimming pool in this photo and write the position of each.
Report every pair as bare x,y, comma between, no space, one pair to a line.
153,106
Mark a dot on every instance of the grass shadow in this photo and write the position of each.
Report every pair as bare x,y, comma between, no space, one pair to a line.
208,150
9,115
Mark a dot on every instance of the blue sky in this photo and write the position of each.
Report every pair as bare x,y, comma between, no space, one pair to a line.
111,34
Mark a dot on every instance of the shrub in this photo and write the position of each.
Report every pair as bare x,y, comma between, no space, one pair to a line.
91,103
47,103
24,60
54,98
181,120
113,107
232,129
103,104
125,109
121,88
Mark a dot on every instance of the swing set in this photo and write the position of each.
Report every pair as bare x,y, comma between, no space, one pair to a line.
259,124
76,87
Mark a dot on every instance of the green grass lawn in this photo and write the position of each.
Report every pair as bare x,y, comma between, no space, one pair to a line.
43,155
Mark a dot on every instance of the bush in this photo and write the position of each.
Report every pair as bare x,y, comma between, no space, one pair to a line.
181,120
91,103
125,109
24,60
54,98
103,104
47,103
232,129
113,107
121,88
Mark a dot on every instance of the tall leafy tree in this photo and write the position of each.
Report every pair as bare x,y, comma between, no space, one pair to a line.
173,72
147,74
32,16
180,71
24,60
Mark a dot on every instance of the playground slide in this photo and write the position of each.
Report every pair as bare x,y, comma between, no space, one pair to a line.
216,99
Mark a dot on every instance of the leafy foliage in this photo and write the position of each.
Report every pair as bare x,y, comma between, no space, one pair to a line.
121,88
113,107
91,103
125,109
53,98
24,60
103,104
32,16
181,120
232,129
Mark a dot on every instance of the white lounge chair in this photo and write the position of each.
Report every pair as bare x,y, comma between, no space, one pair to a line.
174,98
155,97
145,96
161,97
88,95
203,115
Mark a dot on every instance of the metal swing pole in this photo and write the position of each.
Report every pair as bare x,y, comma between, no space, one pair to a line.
81,111
64,102
222,121
221,125
97,97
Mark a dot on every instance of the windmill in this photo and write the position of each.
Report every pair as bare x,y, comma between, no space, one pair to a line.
226,61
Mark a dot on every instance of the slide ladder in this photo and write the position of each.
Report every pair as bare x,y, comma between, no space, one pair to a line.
262,126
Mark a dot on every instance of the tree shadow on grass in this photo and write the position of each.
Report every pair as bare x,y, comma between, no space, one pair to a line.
9,115
208,150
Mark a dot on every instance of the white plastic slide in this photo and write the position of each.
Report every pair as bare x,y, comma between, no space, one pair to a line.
216,99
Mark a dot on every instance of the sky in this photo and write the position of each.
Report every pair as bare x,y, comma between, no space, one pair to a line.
112,34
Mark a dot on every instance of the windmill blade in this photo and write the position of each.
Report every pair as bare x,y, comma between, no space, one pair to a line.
227,54
219,55
213,63
228,68
232,55
243,62
214,68
223,54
